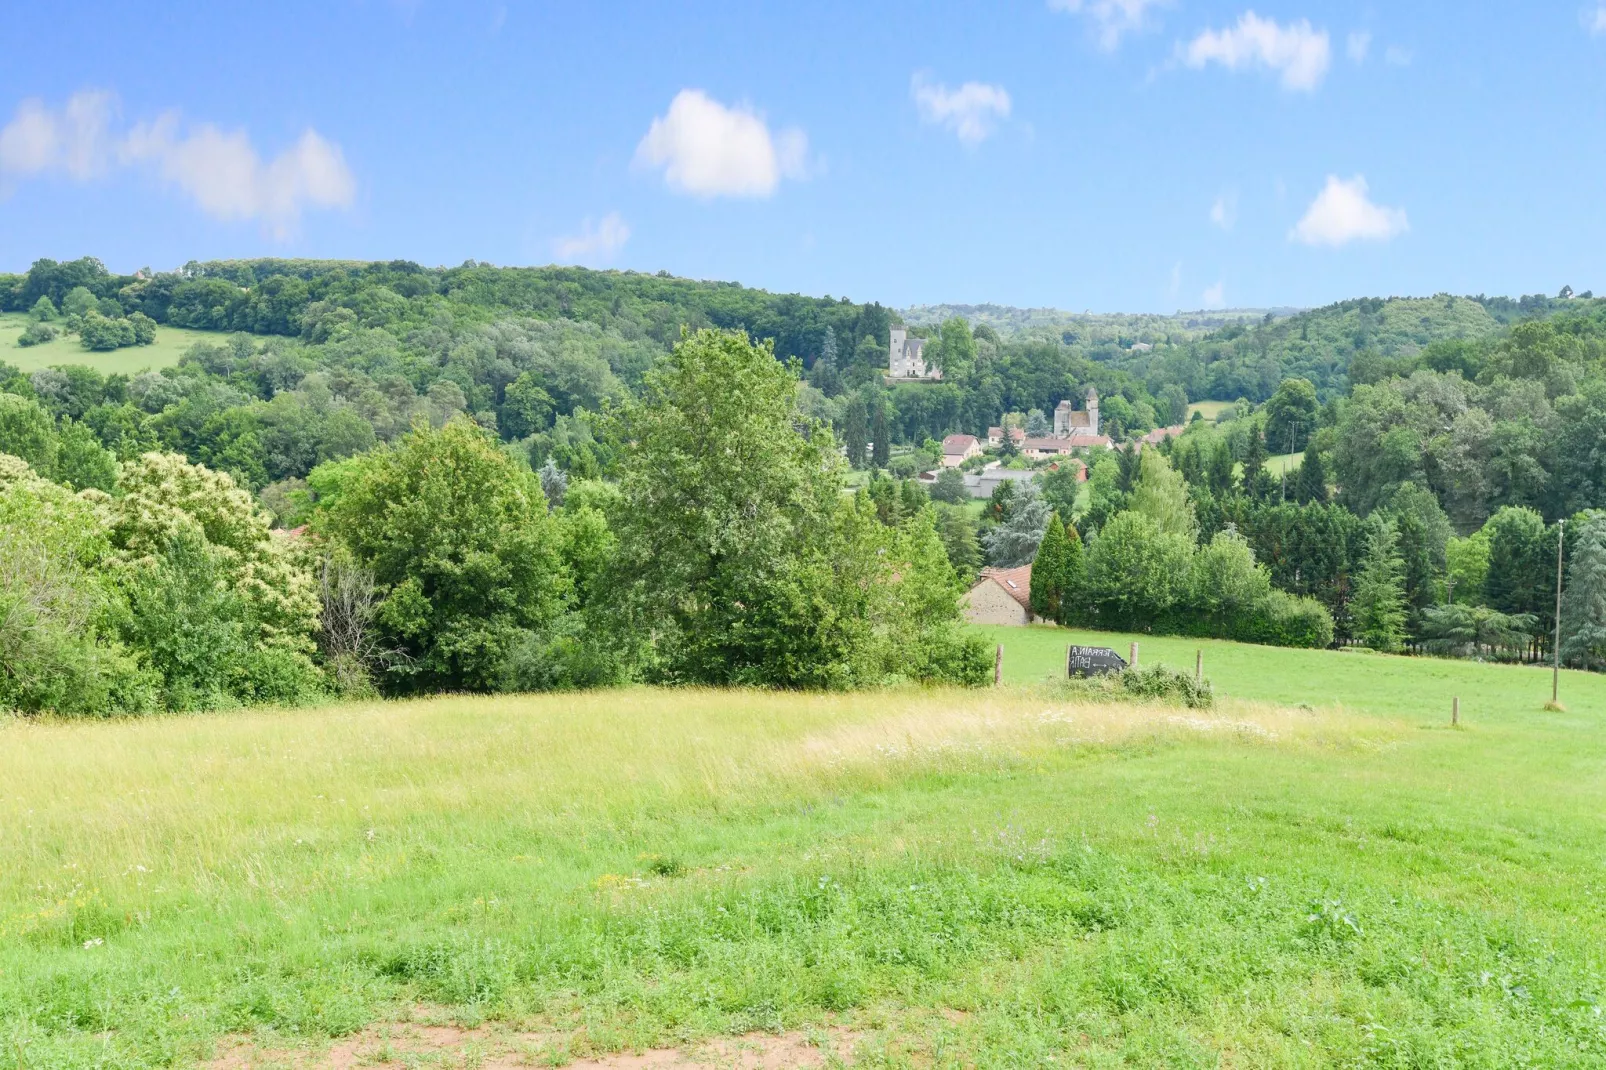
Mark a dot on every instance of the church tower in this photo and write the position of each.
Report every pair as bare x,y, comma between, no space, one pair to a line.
1092,410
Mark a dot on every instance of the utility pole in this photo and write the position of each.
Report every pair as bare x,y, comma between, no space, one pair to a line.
1555,666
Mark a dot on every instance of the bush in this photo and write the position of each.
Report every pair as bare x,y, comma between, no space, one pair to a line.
37,334
1159,682
1282,619
1151,682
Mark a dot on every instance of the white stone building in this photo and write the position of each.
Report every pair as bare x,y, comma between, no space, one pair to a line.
906,358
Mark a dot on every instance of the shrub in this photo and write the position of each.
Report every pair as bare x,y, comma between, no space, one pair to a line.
1148,682
1159,682
37,334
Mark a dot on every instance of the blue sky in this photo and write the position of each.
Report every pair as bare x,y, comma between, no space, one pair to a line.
1113,155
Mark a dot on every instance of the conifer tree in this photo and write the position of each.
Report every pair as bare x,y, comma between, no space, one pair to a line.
1047,571
1073,578
1378,605
1311,486
856,431
881,445
1254,475
1583,617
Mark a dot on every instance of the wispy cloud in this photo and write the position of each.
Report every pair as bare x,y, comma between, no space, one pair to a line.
1595,21
1299,54
707,149
1343,212
220,171
1396,56
1111,19
971,112
596,240
1224,211
1358,45
1215,296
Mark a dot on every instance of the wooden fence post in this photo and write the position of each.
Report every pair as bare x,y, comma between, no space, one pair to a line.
1455,711
998,665
1132,662
1198,666
1068,648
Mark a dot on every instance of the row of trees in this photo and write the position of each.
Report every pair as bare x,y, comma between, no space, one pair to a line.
724,552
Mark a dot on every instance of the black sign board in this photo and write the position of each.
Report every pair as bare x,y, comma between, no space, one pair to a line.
1092,661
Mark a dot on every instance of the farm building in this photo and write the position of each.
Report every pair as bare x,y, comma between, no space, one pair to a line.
1001,596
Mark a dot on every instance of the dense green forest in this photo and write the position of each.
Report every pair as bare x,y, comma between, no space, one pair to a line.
1444,441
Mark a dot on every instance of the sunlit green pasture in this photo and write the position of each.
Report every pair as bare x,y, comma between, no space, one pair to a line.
1003,878
170,344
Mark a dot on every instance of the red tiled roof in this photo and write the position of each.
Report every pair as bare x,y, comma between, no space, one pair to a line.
958,443
1016,581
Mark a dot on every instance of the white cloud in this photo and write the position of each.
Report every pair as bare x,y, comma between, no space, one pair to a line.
1358,45
708,150
971,111
1215,296
1342,213
1595,21
220,171
1298,53
1224,212
1110,18
600,240
74,141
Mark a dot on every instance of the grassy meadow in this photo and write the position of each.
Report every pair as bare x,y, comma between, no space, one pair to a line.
1317,872
170,344
1209,409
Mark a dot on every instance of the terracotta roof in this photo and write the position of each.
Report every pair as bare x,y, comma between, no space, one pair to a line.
958,443
1016,581
1159,434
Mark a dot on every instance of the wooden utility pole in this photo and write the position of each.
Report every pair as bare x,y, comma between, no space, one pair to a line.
1555,664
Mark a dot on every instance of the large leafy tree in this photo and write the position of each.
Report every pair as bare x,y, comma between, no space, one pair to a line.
463,554
1291,415
1136,572
741,562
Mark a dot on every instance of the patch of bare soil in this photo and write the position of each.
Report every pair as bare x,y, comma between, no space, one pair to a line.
439,1047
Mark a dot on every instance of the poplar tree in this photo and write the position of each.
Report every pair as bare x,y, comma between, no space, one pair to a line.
856,431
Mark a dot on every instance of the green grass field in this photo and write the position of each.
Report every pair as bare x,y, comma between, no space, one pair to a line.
170,344
1210,409
1319,872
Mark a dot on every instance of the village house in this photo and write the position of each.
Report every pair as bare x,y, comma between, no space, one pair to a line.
995,436
1001,596
957,449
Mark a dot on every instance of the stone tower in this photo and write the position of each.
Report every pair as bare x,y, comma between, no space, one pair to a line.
1092,410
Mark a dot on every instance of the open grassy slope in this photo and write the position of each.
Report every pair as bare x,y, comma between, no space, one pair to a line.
170,344
1004,878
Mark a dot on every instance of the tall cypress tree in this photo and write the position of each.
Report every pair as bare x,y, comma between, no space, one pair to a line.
880,444
1047,571
1073,579
856,431
1311,486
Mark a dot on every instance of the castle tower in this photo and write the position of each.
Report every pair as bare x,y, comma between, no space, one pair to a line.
1092,411
895,355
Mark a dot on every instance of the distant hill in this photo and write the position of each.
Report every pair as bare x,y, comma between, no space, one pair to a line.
1094,328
